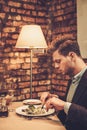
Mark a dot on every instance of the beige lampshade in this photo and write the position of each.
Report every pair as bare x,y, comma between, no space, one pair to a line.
31,36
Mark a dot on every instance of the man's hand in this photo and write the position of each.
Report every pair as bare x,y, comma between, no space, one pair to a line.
55,103
45,96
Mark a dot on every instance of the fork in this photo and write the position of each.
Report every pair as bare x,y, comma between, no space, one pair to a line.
42,106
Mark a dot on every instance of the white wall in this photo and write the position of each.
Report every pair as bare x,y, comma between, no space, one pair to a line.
82,26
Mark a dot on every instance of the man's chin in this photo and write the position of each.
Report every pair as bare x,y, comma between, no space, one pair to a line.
62,73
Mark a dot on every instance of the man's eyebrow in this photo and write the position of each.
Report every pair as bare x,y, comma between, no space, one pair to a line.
57,60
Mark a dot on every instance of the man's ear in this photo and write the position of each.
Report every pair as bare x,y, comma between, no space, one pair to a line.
71,54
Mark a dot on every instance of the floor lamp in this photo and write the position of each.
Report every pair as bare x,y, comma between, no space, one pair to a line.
31,36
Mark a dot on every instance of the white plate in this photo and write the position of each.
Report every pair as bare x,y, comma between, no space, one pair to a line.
20,112
32,101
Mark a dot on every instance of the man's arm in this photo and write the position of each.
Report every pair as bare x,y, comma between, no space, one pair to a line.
78,113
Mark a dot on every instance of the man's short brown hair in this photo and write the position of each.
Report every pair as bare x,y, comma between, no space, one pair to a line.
64,45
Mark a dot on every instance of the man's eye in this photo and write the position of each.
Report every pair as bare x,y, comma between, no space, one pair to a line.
57,61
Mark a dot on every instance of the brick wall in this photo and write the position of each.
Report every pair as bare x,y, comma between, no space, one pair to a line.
55,18
63,22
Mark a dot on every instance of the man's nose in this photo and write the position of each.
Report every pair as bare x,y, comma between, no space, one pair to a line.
56,65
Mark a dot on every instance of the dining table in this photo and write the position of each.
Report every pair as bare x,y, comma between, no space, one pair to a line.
16,121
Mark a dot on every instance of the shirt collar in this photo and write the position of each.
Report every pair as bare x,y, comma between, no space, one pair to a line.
78,76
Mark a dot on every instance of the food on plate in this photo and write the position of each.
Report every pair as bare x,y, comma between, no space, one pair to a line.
31,109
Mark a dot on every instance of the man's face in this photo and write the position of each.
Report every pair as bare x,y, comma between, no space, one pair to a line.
63,64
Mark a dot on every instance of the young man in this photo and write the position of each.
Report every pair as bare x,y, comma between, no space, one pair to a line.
73,109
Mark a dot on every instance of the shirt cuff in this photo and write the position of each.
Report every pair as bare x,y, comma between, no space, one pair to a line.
66,107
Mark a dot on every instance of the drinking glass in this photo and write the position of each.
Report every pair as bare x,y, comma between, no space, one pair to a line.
11,98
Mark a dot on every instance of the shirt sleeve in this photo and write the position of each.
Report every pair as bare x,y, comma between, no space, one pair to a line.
66,107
